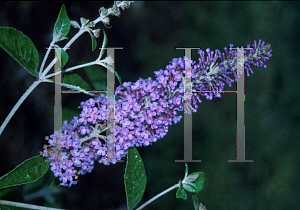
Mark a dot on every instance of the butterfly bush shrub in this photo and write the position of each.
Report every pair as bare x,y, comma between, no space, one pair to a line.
143,110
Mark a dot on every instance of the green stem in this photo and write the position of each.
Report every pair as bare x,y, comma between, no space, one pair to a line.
80,32
43,73
46,56
24,205
41,79
158,195
101,63
71,69
17,105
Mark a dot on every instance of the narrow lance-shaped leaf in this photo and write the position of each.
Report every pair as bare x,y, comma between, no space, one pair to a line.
195,202
62,25
118,77
94,41
30,170
104,44
134,178
21,48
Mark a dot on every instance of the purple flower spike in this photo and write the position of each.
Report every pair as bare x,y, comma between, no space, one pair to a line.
143,110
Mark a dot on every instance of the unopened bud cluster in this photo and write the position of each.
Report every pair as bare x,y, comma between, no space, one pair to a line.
114,10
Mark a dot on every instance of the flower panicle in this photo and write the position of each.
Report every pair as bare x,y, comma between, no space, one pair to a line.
143,110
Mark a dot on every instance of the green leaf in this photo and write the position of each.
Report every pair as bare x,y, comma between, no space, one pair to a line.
118,77
181,192
21,48
192,178
94,41
97,76
64,57
104,44
135,178
196,185
69,112
62,25
195,202
76,80
191,187
11,194
30,170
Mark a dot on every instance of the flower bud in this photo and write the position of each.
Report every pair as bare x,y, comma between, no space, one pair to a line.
96,33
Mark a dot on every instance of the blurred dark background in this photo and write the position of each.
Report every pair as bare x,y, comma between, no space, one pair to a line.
149,33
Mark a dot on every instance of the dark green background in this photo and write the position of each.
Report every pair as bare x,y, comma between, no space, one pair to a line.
149,33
